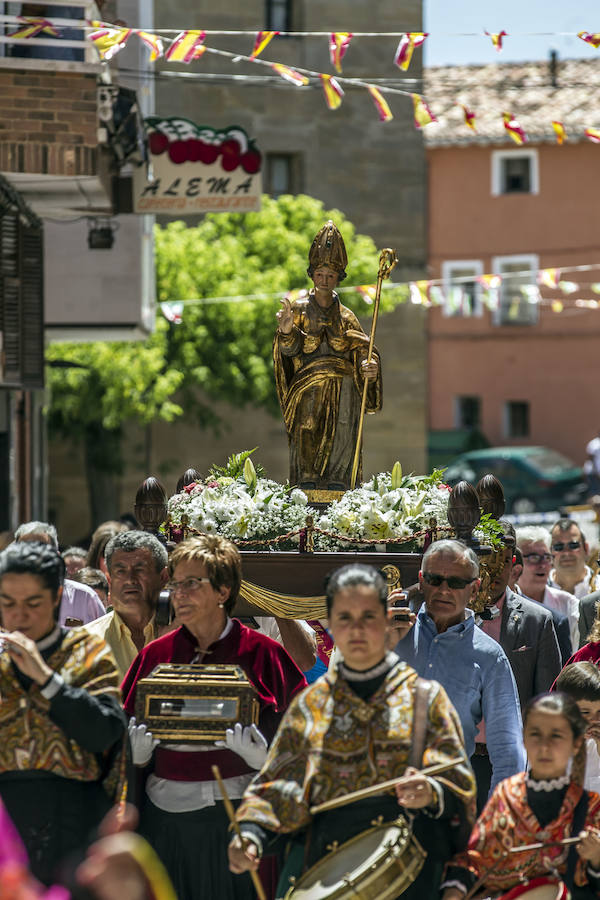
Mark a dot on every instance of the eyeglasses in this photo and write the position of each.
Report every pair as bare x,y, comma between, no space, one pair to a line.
537,558
453,581
187,585
570,545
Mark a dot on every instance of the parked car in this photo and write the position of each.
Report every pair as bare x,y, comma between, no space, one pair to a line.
535,479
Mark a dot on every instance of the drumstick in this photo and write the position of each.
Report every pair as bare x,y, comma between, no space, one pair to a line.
234,824
543,844
384,786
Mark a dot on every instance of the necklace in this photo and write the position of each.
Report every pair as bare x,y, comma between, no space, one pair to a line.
547,785
389,660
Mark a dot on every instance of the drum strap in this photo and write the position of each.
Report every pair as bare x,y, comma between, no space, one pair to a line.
420,719
579,817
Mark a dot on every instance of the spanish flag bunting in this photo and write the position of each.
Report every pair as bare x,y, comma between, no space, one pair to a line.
290,74
405,48
559,130
154,42
31,27
557,306
490,281
422,113
383,110
497,38
549,278
514,129
338,44
593,134
186,47
593,39
469,117
108,41
262,39
333,92
367,292
419,293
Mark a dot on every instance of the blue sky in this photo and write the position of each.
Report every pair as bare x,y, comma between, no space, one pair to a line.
444,18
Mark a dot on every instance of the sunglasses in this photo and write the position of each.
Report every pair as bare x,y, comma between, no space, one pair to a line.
453,581
537,558
570,545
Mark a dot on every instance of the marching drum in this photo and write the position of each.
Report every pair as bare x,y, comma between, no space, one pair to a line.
542,888
378,864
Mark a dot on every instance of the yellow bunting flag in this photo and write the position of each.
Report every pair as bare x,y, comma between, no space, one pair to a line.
593,39
419,293
154,42
338,44
367,291
383,110
593,134
262,39
469,117
549,278
514,129
557,306
332,90
497,38
559,130
108,41
422,114
405,48
188,45
32,27
290,74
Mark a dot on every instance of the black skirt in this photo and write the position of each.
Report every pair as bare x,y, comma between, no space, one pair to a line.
56,817
193,849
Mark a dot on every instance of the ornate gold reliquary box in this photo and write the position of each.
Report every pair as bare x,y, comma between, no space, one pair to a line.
193,703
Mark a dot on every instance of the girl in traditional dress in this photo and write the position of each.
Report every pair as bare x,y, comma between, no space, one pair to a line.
544,805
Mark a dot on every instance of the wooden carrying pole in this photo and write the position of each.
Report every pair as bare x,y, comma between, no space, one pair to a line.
260,892
387,261
384,786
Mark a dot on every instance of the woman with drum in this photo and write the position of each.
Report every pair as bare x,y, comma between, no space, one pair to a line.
369,720
539,833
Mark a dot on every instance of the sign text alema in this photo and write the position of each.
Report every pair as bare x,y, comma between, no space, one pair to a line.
192,187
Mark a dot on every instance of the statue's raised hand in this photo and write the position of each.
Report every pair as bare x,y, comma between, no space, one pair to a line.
285,316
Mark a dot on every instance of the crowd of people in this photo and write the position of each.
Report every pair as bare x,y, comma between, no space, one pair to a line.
504,704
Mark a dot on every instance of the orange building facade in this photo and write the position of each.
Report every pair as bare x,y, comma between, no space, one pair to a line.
522,363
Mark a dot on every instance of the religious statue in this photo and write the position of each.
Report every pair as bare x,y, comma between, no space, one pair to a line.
320,355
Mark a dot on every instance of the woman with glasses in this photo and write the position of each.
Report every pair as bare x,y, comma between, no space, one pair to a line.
182,815
534,543
355,727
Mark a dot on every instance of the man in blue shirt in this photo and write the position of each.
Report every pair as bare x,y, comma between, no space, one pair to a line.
444,644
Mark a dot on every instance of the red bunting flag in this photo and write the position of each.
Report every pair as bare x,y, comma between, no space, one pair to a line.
405,48
262,39
514,129
559,130
593,134
593,39
186,47
290,74
154,42
338,44
332,90
108,41
497,38
383,110
469,117
422,114
32,27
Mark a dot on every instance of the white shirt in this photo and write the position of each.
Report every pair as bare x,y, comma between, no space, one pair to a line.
593,450
591,781
568,605
587,585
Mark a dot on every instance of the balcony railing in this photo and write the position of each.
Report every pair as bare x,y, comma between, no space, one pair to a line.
69,19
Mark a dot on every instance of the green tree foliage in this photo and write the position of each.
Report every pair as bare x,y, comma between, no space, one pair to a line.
222,350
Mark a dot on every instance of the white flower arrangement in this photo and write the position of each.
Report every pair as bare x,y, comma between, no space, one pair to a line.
248,507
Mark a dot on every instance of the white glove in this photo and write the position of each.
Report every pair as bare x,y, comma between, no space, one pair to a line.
142,743
247,742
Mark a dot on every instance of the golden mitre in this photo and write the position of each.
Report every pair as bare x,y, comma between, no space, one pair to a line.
328,249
